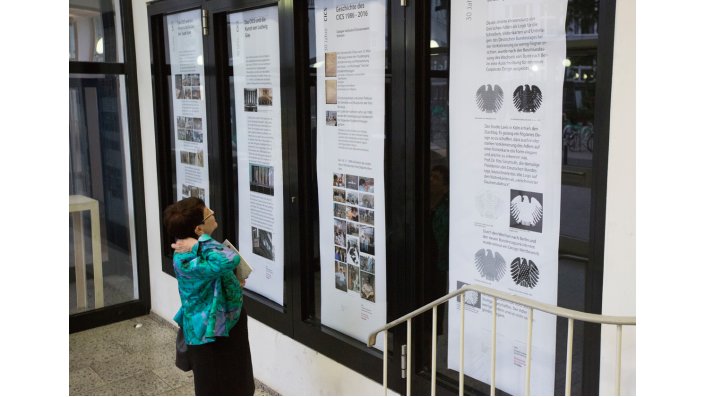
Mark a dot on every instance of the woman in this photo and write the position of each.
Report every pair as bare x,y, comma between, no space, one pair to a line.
212,316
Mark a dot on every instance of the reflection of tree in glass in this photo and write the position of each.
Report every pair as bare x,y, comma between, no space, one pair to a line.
525,273
491,266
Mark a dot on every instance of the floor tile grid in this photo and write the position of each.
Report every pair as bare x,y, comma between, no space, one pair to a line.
132,357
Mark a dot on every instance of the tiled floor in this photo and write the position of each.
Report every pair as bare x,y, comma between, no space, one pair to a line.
132,357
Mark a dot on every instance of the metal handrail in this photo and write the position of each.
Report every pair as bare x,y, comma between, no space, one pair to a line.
570,314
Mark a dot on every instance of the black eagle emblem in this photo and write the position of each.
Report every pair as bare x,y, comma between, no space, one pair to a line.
527,99
525,272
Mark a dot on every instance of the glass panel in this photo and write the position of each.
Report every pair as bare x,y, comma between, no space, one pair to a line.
580,82
578,117
313,309
95,33
575,212
101,217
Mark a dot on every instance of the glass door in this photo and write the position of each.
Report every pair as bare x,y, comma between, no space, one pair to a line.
106,246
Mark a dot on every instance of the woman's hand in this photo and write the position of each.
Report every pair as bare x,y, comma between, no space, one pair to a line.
184,245
242,281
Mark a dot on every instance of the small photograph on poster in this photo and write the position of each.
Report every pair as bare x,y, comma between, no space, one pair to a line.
178,82
331,92
191,158
367,185
339,211
262,179
193,191
265,97
353,251
367,288
473,299
526,210
197,123
195,92
351,197
339,195
367,201
341,276
185,132
250,99
367,216
199,158
527,98
339,180
525,273
339,232
331,118
353,229
351,214
367,263
367,240
187,92
195,80
262,243
340,254
353,278
351,182
331,64
186,80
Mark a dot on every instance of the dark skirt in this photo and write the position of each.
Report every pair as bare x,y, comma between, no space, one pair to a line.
224,367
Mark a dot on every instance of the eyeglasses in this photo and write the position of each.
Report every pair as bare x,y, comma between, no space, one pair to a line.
209,215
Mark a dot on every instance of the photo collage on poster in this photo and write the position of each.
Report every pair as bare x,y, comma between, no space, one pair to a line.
255,97
189,129
188,86
191,158
192,191
354,234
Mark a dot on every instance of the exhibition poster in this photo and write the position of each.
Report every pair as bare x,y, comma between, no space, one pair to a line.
189,105
257,91
350,55
505,104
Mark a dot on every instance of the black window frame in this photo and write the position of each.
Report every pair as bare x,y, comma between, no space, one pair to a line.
128,69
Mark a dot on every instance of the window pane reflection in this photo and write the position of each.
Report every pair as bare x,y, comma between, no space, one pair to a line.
99,171
94,32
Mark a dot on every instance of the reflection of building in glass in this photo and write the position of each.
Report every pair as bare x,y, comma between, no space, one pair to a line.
250,100
262,179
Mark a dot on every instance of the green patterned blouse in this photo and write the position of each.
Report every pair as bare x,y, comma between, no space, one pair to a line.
211,295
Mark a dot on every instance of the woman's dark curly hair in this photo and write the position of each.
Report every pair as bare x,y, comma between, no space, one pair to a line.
182,217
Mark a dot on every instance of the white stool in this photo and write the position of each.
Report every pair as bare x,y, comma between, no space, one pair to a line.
78,204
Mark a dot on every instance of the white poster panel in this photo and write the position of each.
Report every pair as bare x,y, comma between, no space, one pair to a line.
255,41
350,50
506,92
189,104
